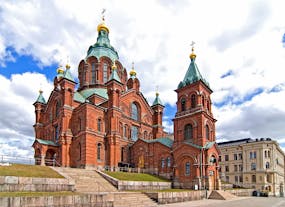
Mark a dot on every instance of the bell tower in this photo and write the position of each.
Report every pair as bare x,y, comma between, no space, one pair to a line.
194,122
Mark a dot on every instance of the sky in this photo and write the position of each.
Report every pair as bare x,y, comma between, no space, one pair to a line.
240,48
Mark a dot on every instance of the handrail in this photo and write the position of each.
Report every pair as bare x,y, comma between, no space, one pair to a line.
28,160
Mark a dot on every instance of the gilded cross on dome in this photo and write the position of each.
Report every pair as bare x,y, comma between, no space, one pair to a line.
192,55
103,12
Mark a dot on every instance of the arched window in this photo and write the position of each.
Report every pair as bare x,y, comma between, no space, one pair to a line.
134,133
187,168
57,108
207,132
135,114
105,72
268,153
253,178
79,151
265,153
79,124
125,129
84,75
145,135
168,160
122,154
162,163
193,101
203,101
99,125
183,105
93,73
99,146
56,133
188,132
267,165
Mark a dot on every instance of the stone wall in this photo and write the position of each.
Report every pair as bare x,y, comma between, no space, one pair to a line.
13,183
241,192
136,185
102,200
174,197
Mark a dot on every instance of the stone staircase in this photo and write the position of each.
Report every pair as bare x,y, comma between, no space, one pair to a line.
221,195
133,199
90,182
86,181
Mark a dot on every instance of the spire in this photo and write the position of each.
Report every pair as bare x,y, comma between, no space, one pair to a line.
193,74
40,98
114,74
133,73
157,100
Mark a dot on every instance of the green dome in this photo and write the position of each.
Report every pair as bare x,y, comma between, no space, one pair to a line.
102,47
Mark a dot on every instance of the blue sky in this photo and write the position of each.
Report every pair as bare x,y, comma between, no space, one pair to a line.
240,49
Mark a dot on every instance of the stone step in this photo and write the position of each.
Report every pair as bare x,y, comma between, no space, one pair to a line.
133,200
87,180
221,195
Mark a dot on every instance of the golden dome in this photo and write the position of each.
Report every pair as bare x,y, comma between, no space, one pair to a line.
67,66
102,26
60,70
192,55
114,66
133,72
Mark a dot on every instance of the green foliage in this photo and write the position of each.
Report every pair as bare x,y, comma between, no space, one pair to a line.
36,194
135,176
20,170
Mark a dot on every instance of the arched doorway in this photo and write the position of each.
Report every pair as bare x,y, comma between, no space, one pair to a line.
37,156
50,158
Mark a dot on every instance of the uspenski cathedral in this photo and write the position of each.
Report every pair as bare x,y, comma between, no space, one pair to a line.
104,121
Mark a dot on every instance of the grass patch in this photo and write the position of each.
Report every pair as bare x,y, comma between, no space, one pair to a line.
164,190
20,170
36,194
135,176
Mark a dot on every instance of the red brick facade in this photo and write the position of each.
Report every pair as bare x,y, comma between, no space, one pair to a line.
107,121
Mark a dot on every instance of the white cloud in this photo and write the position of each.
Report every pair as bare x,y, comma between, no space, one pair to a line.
243,36
17,111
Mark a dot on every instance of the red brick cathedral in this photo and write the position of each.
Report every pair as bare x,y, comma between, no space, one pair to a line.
106,121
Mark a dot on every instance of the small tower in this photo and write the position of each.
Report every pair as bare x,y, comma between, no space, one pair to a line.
114,89
40,106
157,108
194,119
66,85
133,81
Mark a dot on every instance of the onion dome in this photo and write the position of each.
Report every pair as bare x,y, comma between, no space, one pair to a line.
102,26
102,47
157,100
192,55
60,70
114,74
40,98
133,73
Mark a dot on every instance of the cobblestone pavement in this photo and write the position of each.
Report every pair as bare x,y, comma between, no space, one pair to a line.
237,202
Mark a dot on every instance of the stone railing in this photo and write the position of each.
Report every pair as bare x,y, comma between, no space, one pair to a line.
241,192
13,183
